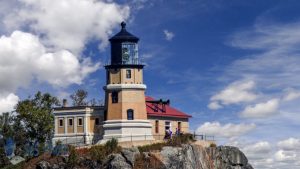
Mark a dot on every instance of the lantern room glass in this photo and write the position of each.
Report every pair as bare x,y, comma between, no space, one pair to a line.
129,53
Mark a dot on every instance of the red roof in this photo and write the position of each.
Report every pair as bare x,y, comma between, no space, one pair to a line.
154,109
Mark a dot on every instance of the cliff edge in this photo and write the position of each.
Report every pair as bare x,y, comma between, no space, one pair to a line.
188,156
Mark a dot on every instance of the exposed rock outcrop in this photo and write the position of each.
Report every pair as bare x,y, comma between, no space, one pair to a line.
117,161
130,154
188,156
197,157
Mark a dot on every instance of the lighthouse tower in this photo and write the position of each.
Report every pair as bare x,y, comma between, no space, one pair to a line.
125,115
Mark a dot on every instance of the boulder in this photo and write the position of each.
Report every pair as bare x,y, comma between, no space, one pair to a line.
43,165
117,161
226,156
172,157
130,154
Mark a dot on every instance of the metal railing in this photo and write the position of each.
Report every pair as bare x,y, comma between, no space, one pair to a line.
79,141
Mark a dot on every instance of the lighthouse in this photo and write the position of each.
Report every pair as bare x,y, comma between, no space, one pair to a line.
125,116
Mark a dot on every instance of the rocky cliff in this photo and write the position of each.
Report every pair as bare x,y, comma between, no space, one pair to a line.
188,156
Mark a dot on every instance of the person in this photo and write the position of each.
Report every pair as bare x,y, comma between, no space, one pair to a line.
170,131
177,132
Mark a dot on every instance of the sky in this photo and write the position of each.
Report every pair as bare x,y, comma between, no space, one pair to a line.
233,65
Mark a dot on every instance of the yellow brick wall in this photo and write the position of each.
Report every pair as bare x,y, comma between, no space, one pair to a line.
174,125
114,76
70,129
80,129
128,99
93,128
118,76
60,130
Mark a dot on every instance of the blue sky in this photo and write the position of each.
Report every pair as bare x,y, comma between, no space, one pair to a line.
233,65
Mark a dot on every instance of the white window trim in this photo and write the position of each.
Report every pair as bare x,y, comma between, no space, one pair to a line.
81,121
59,122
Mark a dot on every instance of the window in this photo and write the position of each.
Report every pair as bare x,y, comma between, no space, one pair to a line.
80,121
130,114
70,122
61,122
128,74
179,126
129,53
97,121
167,125
156,126
114,97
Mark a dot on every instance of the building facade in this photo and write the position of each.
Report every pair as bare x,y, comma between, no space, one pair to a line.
128,114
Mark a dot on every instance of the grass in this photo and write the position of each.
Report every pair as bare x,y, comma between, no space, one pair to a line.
175,141
100,152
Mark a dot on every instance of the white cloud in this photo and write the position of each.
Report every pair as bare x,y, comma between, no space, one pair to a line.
228,130
214,105
68,24
289,144
285,156
257,150
24,58
291,94
264,155
169,35
8,102
261,109
236,92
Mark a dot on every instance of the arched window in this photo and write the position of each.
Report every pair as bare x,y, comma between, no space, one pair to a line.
130,114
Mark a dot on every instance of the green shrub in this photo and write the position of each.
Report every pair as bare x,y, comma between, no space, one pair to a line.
97,152
72,160
3,159
59,142
180,139
152,147
212,145
111,146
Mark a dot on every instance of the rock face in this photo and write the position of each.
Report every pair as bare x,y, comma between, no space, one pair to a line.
130,154
196,157
117,161
188,156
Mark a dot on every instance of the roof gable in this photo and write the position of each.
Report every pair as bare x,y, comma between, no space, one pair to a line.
161,110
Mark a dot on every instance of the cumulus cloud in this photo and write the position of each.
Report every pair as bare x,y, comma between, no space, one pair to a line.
24,58
289,144
68,24
169,35
228,130
236,92
291,94
257,150
264,155
214,106
285,156
261,109
8,102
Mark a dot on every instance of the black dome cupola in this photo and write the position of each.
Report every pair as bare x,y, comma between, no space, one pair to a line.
124,48
124,36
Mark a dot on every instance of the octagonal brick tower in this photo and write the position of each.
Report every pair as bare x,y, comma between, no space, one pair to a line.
126,116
